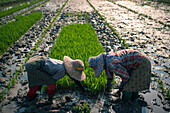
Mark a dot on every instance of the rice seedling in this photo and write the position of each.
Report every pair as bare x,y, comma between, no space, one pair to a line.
79,41
162,86
85,108
11,32
159,81
13,80
7,12
44,88
168,93
2,94
155,78
9,85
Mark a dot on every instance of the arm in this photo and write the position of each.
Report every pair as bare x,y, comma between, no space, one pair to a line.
78,83
121,72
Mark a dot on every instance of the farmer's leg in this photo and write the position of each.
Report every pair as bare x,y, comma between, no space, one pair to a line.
32,91
126,95
51,91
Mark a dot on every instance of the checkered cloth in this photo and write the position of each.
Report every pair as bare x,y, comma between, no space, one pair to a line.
121,63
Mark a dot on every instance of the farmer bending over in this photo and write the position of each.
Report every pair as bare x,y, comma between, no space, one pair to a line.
46,71
132,66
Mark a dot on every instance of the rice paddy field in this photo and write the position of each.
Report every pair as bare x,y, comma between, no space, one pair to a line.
81,29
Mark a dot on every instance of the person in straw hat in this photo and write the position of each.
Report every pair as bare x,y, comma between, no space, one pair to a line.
46,71
132,66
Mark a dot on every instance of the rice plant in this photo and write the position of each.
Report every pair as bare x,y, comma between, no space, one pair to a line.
11,32
7,12
2,94
13,80
85,108
79,41
168,93
9,85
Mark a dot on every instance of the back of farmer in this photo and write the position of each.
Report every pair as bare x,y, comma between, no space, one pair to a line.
132,66
46,71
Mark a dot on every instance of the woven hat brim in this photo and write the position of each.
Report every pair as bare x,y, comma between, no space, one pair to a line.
76,74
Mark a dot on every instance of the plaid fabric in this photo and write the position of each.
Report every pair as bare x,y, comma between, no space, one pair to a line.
121,63
140,77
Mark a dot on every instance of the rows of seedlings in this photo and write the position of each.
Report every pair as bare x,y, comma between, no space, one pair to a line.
11,32
10,14
13,60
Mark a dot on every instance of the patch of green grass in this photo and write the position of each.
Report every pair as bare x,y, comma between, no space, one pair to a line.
85,108
79,41
12,31
9,86
2,94
168,93
7,12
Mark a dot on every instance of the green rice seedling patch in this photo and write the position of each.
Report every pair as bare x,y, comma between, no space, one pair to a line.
12,31
14,9
79,41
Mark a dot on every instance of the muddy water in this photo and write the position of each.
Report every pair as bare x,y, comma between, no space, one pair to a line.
151,98
159,14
